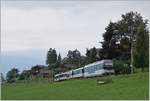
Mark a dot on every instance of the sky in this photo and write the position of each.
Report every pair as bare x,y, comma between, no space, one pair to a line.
30,28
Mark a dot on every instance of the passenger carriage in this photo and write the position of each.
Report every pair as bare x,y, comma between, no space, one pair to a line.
98,68
77,72
60,77
94,69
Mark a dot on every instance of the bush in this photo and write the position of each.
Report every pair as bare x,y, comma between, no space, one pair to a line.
21,77
11,80
121,67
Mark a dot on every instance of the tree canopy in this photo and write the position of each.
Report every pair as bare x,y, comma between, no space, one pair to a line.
120,35
12,75
51,59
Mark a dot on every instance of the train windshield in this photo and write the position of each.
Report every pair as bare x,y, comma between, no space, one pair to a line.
108,65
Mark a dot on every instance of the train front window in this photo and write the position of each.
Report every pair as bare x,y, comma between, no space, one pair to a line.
108,63
108,67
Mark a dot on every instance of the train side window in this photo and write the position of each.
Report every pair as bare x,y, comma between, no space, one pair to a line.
97,67
94,67
85,69
101,66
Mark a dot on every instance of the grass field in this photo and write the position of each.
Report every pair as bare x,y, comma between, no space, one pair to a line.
125,87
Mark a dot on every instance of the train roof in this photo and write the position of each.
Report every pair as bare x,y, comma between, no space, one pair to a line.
78,68
97,62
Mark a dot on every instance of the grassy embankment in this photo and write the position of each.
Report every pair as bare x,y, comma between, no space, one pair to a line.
126,87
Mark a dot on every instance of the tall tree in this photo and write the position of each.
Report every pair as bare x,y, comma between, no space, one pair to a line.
48,58
128,29
92,55
107,36
51,59
74,58
119,36
109,45
59,59
70,57
141,52
88,60
77,57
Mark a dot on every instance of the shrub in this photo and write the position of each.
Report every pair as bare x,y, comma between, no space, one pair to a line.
121,67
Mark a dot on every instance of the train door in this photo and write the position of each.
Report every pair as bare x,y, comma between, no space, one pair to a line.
83,72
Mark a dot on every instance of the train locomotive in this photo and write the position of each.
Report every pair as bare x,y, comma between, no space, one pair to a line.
94,69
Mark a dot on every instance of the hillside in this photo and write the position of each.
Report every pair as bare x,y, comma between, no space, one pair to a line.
123,87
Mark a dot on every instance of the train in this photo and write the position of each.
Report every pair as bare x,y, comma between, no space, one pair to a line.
97,68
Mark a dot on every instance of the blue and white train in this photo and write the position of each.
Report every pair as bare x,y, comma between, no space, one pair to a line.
94,69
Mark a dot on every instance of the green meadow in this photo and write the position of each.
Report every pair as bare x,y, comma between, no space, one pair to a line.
126,87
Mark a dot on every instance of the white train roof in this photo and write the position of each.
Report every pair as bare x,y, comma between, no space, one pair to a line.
96,63
63,73
78,69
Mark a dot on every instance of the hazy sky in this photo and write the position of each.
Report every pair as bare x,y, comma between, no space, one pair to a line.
30,28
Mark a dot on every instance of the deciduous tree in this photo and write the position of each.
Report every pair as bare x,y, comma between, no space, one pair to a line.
141,52
12,75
